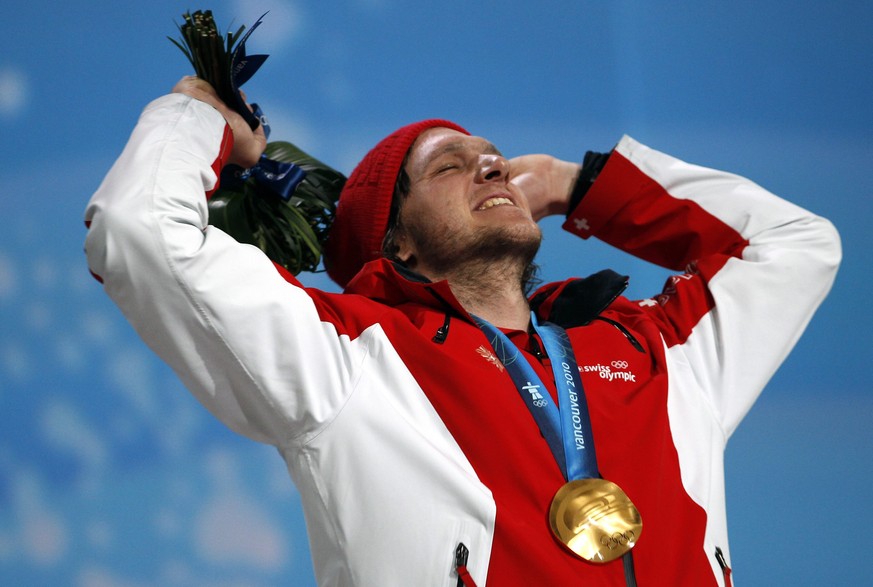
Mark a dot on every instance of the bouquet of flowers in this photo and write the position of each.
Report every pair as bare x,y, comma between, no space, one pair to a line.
285,204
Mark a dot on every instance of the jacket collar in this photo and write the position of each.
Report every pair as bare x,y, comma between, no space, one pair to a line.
578,301
393,284
574,302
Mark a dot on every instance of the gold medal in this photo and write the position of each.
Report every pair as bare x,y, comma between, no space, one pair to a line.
595,519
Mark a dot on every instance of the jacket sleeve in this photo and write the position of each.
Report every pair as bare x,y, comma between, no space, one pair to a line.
755,267
250,345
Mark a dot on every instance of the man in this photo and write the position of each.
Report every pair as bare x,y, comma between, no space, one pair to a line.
418,449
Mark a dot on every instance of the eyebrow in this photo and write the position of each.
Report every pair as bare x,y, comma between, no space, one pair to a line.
455,146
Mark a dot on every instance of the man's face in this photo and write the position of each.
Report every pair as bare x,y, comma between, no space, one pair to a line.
461,205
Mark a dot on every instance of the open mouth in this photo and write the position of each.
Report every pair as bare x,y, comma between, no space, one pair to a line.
495,201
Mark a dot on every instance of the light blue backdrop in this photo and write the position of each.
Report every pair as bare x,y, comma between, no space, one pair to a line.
112,476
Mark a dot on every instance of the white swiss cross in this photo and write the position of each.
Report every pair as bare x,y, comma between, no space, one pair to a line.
648,302
582,224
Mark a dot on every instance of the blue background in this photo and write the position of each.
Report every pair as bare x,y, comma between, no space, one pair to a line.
111,475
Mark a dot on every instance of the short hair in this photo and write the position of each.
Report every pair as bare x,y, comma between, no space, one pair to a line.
401,192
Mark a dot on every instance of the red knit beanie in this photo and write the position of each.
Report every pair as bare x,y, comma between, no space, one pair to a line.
361,219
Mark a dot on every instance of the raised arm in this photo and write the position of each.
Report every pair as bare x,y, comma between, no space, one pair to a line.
249,344
755,266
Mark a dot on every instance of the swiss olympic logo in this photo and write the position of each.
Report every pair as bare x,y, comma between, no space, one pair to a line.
617,370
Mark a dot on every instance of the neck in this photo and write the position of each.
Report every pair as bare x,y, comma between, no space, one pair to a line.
492,291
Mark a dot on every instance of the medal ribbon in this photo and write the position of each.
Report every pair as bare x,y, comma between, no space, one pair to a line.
567,429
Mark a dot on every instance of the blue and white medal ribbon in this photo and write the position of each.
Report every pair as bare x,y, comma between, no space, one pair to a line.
566,429
591,516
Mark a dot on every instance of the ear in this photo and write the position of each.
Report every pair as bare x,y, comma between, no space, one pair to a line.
405,247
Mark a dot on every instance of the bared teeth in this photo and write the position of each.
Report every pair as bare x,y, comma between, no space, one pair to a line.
491,202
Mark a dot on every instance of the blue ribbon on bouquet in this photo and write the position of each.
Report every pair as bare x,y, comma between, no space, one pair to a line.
277,177
242,68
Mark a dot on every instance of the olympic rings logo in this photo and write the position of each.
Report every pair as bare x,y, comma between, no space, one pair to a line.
618,539
540,403
619,364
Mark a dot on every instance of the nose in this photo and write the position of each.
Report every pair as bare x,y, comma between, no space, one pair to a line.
492,168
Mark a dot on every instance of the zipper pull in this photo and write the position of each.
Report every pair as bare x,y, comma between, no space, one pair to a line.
725,569
461,555
443,331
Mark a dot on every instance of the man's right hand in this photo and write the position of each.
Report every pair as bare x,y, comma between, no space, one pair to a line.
247,144
545,181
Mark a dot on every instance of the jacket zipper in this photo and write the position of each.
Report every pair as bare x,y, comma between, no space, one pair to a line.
461,555
630,337
725,569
